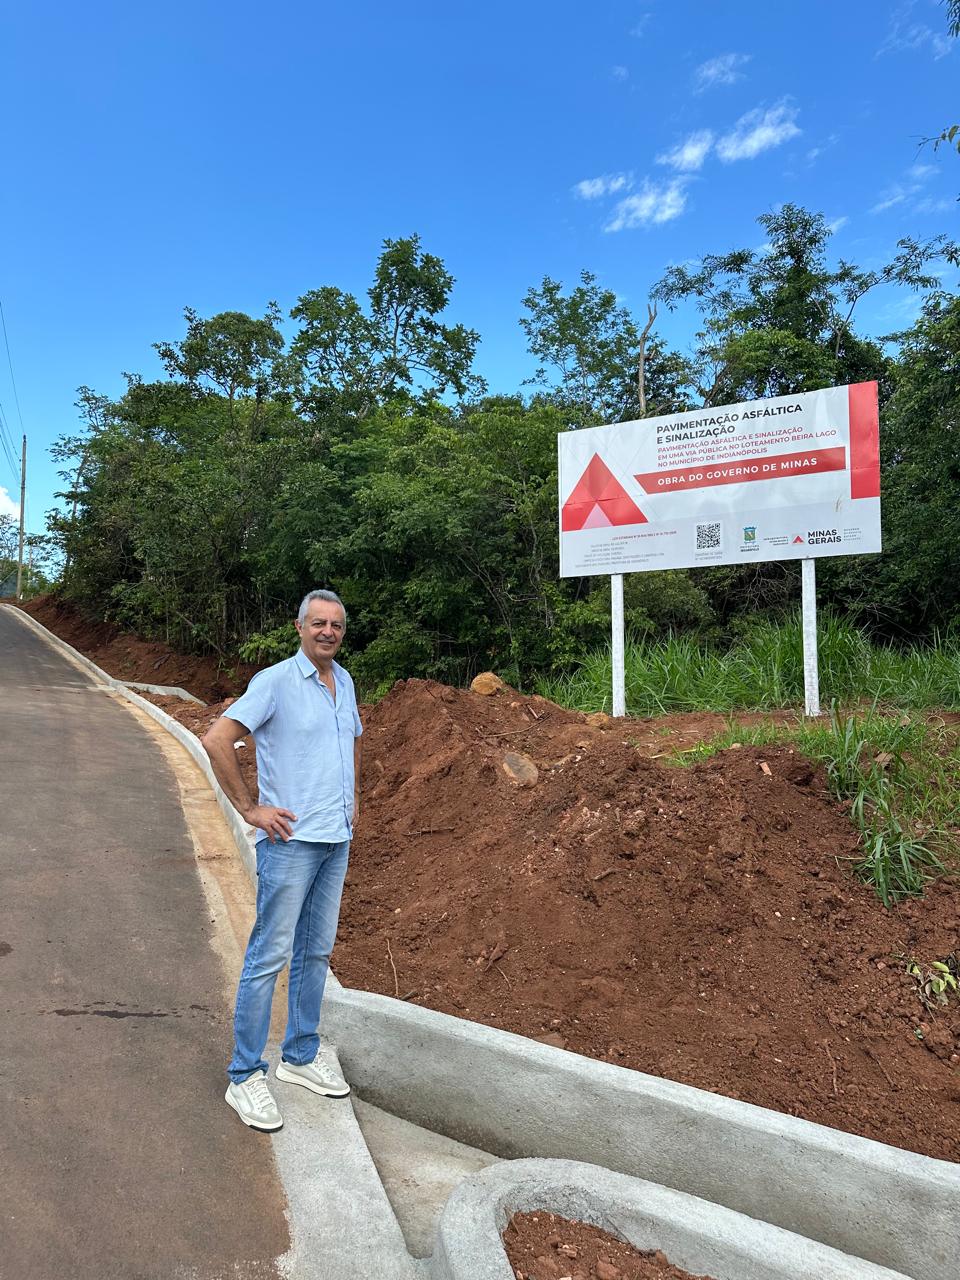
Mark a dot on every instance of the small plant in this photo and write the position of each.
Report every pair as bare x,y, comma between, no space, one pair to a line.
936,984
270,646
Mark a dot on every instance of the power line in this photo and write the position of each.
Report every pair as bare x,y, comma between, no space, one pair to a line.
7,442
13,380
5,437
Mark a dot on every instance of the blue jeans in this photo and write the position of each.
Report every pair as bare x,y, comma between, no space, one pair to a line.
299,883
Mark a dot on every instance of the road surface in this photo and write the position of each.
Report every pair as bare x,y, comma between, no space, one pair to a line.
119,1156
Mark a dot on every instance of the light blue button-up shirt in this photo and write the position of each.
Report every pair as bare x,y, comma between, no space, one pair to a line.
304,741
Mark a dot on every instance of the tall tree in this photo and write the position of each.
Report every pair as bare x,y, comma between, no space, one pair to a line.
779,320
588,348
352,359
232,353
914,585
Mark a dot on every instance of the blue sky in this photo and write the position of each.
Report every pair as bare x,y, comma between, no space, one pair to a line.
219,156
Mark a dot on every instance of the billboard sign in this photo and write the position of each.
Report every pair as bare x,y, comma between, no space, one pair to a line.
780,479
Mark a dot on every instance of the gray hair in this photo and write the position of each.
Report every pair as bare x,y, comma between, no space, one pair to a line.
330,596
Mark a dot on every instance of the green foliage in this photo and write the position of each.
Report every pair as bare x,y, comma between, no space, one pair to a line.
936,984
778,320
347,358
34,579
949,137
762,668
9,540
270,646
914,585
361,456
232,351
588,347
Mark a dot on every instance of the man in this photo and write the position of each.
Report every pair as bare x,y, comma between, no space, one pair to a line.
303,716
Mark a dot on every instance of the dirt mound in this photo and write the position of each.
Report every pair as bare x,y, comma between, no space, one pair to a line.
128,657
700,924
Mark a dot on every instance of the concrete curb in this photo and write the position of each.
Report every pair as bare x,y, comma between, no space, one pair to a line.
164,690
342,1225
702,1238
514,1097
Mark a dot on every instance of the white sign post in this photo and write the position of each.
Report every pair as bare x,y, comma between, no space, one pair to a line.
790,478
619,702
811,675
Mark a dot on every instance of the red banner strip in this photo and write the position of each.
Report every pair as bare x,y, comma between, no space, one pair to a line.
864,440
743,470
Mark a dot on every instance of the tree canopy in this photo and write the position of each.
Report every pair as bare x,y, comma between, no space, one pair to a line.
364,454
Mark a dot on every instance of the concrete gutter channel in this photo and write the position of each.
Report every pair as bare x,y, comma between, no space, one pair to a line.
723,1187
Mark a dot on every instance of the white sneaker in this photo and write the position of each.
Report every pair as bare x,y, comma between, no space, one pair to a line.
318,1076
253,1102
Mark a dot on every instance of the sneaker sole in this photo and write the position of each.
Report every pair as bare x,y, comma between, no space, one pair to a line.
290,1078
260,1128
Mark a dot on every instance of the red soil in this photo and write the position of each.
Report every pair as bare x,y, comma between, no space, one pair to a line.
128,657
543,1246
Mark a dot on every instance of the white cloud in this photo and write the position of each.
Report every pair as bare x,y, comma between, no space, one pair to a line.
655,203
7,505
900,192
837,224
758,131
817,151
930,205
620,73
640,26
724,69
904,34
893,195
607,185
690,154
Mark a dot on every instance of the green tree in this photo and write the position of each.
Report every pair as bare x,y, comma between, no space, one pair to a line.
9,542
351,359
588,347
779,320
232,353
913,586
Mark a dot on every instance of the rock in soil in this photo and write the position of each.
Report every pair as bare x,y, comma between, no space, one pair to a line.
486,683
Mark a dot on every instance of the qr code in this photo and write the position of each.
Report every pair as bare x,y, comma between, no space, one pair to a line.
708,537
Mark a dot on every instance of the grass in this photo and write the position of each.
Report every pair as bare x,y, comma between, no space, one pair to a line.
899,773
901,778
763,669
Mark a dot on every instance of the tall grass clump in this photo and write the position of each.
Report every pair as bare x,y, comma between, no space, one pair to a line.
900,777
762,669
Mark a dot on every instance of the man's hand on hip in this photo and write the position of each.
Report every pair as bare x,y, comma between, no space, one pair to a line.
271,819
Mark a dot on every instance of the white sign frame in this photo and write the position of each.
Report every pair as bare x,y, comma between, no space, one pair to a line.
788,478
782,479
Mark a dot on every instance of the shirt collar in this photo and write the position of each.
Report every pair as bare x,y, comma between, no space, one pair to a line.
307,669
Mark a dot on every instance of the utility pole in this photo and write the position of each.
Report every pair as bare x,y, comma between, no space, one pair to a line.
23,502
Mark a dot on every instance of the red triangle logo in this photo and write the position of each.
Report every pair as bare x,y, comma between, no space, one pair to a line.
797,539
598,498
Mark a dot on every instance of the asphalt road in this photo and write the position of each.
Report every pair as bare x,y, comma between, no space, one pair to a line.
118,1156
